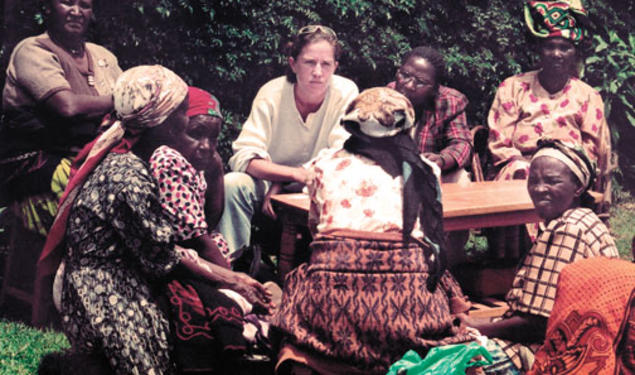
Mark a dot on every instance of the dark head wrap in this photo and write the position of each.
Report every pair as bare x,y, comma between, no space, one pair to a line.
378,120
564,18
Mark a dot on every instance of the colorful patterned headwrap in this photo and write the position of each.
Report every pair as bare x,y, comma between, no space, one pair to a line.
378,120
202,102
572,156
380,112
564,18
144,96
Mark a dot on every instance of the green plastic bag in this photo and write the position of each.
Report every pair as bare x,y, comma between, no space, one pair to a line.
442,360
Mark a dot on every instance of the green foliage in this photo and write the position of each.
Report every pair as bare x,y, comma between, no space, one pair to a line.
22,347
610,70
232,47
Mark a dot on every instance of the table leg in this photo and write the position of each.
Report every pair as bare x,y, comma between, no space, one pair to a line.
287,249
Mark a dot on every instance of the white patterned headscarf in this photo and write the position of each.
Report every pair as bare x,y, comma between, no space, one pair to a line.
146,95
380,112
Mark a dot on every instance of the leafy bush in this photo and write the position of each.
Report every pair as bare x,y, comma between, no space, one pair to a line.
232,47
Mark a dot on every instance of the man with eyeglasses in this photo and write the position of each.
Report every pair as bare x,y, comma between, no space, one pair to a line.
441,131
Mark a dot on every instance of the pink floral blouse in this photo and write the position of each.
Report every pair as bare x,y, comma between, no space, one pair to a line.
523,112
348,191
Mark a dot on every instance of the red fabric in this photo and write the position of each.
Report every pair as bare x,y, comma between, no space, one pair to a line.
202,102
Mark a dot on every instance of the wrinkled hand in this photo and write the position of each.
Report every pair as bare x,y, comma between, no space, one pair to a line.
186,253
435,158
267,208
252,290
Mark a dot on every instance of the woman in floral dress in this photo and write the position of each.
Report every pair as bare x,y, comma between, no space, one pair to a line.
548,103
376,284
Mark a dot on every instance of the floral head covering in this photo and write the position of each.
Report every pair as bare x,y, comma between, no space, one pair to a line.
574,157
202,102
144,96
564,18
378,120
380,112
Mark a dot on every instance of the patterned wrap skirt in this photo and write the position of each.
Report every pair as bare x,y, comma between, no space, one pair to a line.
364,302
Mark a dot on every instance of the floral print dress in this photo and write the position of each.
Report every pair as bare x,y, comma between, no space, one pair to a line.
118,245
524,112
353,192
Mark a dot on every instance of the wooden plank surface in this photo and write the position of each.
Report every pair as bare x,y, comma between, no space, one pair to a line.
465,206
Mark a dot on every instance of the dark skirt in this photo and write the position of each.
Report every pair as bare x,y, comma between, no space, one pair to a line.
207,326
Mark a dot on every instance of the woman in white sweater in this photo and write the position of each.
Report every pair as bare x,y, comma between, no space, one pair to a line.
292,119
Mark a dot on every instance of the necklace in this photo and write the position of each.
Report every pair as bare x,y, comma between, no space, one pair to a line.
76,52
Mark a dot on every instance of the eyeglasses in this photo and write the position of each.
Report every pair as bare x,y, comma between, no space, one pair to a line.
407,77
311,29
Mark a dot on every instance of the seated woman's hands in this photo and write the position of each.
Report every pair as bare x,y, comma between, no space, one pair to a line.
252,290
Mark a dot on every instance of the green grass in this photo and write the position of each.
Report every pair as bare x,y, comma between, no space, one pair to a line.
22,347
622,224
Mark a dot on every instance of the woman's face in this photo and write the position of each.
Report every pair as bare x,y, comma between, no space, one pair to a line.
71,17
314,67
557,56
197,141
552,187
416,80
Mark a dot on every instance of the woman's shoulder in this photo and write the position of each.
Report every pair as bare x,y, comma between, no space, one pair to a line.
273,87
31,45
120,168
345,86
579,219
451,95
100,51
519,79
581,87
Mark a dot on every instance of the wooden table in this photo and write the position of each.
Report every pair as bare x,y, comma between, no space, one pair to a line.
465,206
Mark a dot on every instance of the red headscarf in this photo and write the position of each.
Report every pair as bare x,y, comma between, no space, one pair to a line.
202,102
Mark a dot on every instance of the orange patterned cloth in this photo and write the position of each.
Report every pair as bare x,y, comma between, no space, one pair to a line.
589,318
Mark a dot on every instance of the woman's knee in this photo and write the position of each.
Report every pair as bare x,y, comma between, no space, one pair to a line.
242,187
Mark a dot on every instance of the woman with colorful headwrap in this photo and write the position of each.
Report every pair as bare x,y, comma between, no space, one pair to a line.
550,102
376,284
591,329
559,178
112,233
